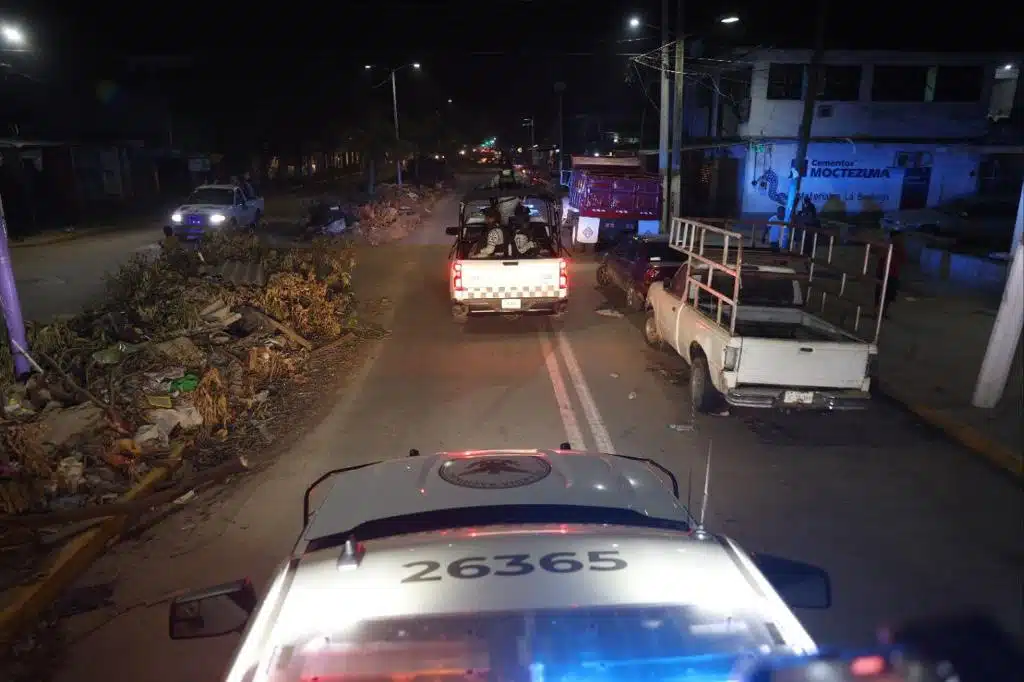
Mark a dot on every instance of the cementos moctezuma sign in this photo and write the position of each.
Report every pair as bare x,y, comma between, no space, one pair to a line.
838,181
843,170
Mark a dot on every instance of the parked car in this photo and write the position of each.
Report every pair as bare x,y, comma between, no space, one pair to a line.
984,223
636,263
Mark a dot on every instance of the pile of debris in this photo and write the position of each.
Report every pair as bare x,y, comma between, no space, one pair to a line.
396,212
179,356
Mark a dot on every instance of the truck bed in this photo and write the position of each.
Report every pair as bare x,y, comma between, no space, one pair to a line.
766,322
794,331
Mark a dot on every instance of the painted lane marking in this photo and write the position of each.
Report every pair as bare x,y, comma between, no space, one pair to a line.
569,421
597,426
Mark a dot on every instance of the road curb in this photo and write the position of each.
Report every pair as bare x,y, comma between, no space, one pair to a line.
971,438
27,602
67,236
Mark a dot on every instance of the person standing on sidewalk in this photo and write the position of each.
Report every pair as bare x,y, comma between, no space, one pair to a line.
896,263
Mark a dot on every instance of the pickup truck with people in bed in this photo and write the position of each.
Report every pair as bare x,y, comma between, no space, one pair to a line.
507,256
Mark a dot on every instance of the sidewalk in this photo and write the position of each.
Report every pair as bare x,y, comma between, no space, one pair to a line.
930,351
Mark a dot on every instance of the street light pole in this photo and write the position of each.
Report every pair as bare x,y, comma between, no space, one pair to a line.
559,89
398,136
664,110
678,110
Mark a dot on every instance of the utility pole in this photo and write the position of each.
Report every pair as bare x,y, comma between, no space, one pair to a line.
398,137
813,82
11,304
664,167
1006,330
560,88
678,110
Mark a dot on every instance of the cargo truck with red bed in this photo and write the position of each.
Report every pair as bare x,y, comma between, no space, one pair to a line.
610,197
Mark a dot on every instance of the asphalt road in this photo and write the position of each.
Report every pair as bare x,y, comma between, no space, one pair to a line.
62,278
905,522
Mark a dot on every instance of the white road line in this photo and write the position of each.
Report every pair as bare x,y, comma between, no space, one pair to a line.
593,415
572,427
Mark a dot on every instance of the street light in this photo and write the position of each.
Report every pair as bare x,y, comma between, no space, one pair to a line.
12,35
394,106
729,19
634,22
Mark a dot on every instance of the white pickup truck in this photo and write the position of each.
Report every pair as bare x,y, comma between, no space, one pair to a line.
509,264
744,330
215,207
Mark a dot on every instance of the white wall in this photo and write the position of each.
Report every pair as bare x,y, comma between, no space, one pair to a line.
865,118
851,178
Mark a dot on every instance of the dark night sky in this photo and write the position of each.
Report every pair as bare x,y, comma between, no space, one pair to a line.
313,57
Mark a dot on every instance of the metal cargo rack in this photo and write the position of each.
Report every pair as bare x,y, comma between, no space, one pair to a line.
830,268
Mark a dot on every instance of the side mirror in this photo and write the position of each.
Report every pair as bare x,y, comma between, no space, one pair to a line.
212,611
452,231
801,586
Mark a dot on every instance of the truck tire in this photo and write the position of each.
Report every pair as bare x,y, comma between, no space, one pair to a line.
460,315
603,278
651,334
703,395
634,301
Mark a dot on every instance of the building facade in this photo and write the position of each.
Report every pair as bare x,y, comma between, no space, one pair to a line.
890,130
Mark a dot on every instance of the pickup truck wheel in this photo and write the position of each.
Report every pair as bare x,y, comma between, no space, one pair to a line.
702,392
603,279
651,335
634,301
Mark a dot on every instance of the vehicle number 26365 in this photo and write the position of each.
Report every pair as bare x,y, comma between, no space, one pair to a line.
513,565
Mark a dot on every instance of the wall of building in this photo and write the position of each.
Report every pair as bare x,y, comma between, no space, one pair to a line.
848,178
865,117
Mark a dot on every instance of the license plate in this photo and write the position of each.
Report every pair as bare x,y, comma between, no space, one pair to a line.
798,397
511,304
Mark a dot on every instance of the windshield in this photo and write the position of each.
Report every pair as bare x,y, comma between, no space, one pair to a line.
539,208
760,289
605,644
212,195
474,210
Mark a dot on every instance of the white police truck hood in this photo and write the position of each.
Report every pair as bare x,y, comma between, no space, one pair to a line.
493,478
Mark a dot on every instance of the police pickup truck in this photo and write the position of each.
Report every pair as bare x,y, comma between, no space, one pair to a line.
507,256
506,565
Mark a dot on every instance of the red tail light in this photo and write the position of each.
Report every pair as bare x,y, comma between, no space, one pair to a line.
651,275
563,274
457,277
